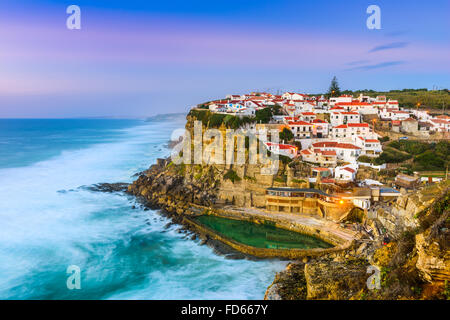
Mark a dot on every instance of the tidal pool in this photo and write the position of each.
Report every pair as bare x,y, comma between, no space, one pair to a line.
261,235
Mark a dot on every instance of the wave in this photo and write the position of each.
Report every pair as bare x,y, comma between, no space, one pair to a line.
123,253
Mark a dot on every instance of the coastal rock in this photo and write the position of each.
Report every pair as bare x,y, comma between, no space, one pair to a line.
335,280
289,284
109,187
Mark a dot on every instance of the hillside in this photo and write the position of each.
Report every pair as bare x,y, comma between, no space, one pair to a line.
409,98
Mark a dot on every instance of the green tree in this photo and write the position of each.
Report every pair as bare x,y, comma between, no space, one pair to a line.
263,115
334,90
286,135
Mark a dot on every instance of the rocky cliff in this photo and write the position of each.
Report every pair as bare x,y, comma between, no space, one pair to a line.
414,265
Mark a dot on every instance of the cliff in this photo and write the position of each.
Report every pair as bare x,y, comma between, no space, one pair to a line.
415,265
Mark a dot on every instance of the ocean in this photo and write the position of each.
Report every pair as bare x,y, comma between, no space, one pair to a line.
50,221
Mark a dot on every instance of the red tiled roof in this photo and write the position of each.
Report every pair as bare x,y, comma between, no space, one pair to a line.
349,169
353,103
358,125
325,144
282,146
346,146
301,123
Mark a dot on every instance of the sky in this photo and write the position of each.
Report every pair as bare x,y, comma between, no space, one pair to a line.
140,58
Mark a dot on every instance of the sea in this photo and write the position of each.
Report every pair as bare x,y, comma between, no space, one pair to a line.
61,240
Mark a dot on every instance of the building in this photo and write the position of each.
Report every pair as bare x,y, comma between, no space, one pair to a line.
369,147
307,202
440,125
409,125
349,130
345,174
344,117
282,149
407,182
320,157
301,129
320,128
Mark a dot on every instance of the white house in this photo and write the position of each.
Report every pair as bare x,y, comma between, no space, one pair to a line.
347,152
440,125
246,111
282,149
344,151
393,114
234,97
215,107
301,129
421,115
322,157
294,96
235,106
345,173
350,129
320,128
344,117
369,147
307,116
343,98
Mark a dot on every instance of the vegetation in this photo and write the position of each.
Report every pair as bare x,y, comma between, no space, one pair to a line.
265,115
281,179
252,179
410,98
232,175
286,135
390,155
215,120
285,159
425,156
334,90
365,159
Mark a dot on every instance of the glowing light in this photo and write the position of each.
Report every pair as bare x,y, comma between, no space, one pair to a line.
341,201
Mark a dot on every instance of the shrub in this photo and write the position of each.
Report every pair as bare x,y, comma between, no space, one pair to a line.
365,159
232,175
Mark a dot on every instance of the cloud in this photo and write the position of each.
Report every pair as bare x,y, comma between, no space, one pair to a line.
393,45
353,63
377,65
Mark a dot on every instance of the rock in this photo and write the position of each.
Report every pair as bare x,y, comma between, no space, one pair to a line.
109,187
289,284
433,259
335,280
361,249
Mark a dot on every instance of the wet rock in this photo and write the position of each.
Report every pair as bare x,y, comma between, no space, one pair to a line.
108,187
